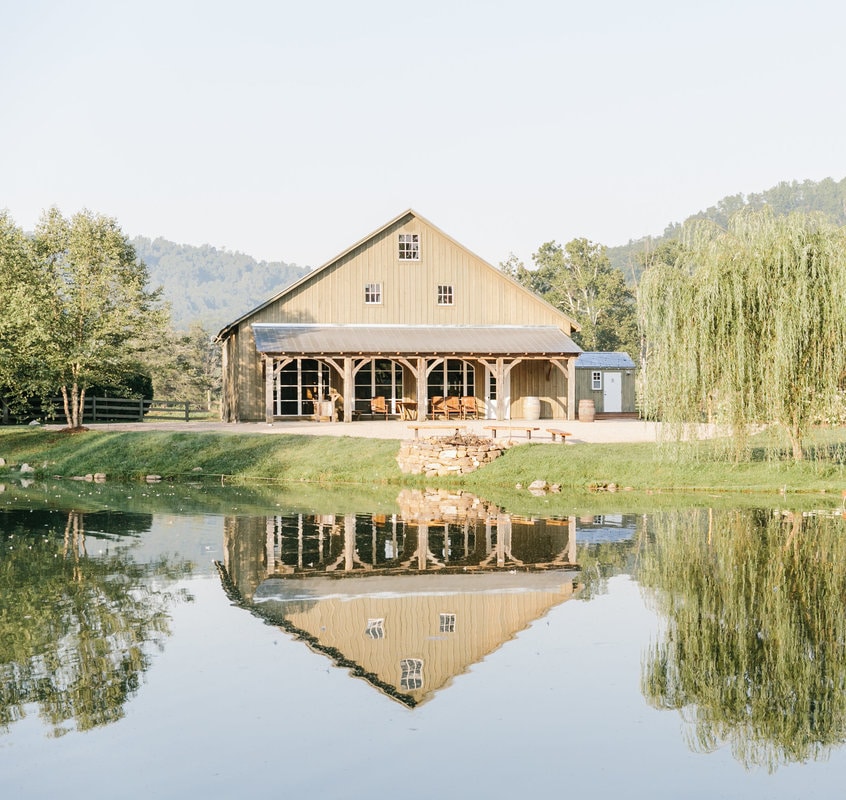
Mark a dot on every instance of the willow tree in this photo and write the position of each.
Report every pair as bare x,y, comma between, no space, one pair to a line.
749,325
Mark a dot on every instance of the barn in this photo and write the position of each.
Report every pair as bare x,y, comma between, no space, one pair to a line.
405,322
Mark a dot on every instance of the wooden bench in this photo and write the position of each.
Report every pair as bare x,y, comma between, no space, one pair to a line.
443,428
527,429
557,432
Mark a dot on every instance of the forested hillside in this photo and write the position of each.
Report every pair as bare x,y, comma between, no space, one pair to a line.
210,286
827,196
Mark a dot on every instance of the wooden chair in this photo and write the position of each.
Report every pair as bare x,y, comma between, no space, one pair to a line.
469,408
438,407
379,406
452,407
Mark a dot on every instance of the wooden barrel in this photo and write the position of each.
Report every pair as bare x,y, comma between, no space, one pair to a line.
531,408
587,410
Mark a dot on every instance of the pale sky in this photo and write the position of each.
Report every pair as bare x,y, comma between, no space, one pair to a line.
289,130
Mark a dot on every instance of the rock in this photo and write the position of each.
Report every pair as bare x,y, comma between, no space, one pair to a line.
26,468
555,487
197,469
2,462
518,485
34,424
26,483
539,485
99,477
153,478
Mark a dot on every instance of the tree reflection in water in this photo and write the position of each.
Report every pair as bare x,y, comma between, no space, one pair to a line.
753,653
75,630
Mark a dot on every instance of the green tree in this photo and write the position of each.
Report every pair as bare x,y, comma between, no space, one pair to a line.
578,278
749,327
21,368
95,314
188,367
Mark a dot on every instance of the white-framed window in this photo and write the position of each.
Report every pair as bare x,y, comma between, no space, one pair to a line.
411,673
373,293
409,247
447,623
444,294
596,380
375,628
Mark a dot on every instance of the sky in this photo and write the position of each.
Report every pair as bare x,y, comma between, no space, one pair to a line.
289,131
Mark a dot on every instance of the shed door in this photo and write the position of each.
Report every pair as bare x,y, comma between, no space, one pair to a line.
612,393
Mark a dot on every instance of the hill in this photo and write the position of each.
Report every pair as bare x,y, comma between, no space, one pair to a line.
208,285
827,196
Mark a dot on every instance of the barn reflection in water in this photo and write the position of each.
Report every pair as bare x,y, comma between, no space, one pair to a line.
408,600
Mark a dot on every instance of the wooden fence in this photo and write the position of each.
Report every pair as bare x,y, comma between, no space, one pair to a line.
122,409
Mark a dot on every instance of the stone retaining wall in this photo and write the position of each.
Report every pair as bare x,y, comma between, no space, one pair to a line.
447,455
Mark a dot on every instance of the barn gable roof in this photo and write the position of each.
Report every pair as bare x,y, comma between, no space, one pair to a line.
315,274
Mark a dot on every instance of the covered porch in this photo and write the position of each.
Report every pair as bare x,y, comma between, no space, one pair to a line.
335,371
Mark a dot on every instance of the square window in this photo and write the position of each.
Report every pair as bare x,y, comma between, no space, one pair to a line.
447,623
444,295
375,629
372,293
409,247
596,381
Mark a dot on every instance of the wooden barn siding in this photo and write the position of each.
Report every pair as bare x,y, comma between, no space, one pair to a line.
585,392
543,380
409,296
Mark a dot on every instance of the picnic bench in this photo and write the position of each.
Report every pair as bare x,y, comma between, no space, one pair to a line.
444,428
555,432
527,429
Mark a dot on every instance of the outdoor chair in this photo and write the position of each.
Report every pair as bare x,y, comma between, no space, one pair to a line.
438,408
468,408
378,406
452,407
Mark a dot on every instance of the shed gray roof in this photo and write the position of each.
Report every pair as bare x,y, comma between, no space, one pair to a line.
602,360
388,340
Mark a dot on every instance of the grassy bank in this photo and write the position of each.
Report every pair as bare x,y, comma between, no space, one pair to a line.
645,469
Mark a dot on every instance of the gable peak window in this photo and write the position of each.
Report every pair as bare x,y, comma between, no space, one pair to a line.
596,380
372,293
411,674
375,629
445,296
409,247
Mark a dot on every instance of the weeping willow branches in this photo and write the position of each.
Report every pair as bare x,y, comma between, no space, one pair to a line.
749,326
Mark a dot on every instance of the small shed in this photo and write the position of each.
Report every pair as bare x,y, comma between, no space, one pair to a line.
609,380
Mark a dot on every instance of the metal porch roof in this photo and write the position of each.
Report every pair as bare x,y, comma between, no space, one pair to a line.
603,360
412,340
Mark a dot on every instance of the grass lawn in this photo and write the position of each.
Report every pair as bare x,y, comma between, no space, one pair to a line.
333,462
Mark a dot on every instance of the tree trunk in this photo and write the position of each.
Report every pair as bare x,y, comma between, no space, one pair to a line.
796,442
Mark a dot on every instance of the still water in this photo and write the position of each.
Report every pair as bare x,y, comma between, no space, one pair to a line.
438,647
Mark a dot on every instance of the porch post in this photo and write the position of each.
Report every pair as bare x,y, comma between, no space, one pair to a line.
268,389
500,388
571,388
349,389
422,390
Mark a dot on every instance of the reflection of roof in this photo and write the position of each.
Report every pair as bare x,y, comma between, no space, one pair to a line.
334,618
603,534
602,360
412,339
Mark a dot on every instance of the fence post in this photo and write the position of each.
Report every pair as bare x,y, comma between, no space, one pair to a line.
141,409
186,411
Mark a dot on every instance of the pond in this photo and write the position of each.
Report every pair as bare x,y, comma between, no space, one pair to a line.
179,642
